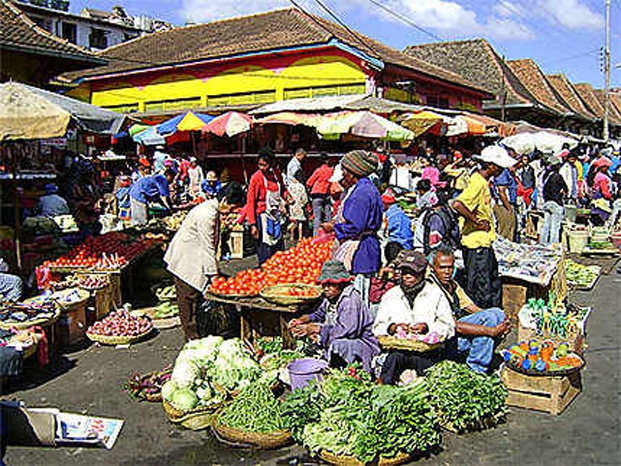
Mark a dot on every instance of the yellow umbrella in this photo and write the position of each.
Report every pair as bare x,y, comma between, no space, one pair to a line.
421,122
28,115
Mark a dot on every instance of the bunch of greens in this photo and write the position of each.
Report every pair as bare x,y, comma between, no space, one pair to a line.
347,414
274,356
463,398
255,409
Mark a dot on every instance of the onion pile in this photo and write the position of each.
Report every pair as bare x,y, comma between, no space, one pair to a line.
121,324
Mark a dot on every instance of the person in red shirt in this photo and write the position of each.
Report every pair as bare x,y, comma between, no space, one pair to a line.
319,186
264,207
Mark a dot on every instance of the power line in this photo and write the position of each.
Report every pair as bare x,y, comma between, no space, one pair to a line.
406,20
572,57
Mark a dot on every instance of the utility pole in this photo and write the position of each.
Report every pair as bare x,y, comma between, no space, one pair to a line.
607,72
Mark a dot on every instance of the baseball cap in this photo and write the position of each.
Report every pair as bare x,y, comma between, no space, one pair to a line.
413,260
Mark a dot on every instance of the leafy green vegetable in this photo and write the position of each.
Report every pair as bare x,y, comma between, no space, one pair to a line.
254,410
347,414
465,398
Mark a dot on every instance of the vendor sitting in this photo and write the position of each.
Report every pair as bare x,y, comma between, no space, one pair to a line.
416,306
10,285
342,322
478,330
51,204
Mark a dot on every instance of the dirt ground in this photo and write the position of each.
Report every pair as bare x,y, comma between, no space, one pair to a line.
91,381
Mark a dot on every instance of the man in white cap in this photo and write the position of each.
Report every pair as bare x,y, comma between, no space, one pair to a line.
474,204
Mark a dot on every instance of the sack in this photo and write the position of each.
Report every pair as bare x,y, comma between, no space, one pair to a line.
215,318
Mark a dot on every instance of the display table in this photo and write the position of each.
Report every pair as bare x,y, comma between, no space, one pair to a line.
262,318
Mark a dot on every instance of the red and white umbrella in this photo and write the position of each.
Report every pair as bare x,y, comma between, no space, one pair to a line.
228,124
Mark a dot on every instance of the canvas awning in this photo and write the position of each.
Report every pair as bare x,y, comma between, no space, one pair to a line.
27,112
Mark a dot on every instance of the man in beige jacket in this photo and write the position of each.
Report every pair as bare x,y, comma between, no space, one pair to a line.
192,257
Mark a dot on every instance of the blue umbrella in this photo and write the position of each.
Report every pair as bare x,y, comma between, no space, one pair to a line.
188,121
149,137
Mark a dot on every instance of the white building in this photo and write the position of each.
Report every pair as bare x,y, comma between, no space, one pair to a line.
92,29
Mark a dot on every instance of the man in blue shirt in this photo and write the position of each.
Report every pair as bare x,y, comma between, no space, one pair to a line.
149,189
399,224
505,188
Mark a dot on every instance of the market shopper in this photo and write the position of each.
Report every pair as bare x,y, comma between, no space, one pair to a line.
264,207
359,219
505,207
554,192
398,224
319,187
211,186
569,172
294,165
526,180
192,257
426,197
437,226
474,204
477,330
195,177
416,306
153,188
297,207
51,204
600,185
341,324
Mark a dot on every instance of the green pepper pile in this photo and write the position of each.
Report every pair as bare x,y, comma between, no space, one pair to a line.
463,398
347,414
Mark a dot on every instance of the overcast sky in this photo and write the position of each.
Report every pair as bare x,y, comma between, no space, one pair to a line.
560,35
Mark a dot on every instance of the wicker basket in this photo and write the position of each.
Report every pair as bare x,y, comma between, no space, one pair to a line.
277,294
344,460
243,439
486,422
69,307
230,296
197,419
388,342
9,324
120,340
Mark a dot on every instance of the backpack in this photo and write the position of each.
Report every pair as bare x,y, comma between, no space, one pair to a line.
452,236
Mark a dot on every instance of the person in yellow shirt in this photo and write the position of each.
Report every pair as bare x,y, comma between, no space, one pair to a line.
474,204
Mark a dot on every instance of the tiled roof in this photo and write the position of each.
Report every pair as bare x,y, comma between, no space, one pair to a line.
17,31
569,95
278,29
613,114
477,61
587,95
535,81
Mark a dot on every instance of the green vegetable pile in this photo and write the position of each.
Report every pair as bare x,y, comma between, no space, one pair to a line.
273,356
166,309
580,275
463,398
347,414
206,370
255,409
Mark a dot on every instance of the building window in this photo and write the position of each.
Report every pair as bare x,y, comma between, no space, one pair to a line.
437,101
176,104
244,98
125,108
43,23
98,38
323,91
69,32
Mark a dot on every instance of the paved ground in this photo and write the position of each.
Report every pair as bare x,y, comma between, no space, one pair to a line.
91,381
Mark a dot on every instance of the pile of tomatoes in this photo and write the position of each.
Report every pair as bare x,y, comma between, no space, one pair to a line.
300,264
94,249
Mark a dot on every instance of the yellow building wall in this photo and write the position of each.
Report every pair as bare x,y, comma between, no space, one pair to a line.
322,75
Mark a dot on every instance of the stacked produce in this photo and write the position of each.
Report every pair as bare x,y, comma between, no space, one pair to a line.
579,275
465,400
347,414
542,357
300,264
121,324
92,282
173,222
206,370
254,410
167,306
272,356
111,250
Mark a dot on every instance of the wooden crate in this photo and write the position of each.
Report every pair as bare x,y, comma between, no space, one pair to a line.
103,301
540,393
514,295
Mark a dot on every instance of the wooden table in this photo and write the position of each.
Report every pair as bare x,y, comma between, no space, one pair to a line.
262,318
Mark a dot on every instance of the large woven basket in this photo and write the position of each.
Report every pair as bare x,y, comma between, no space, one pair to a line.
345,460
243,439
120,340
8,324
388,342
230,296
550,373
277,294
196,419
